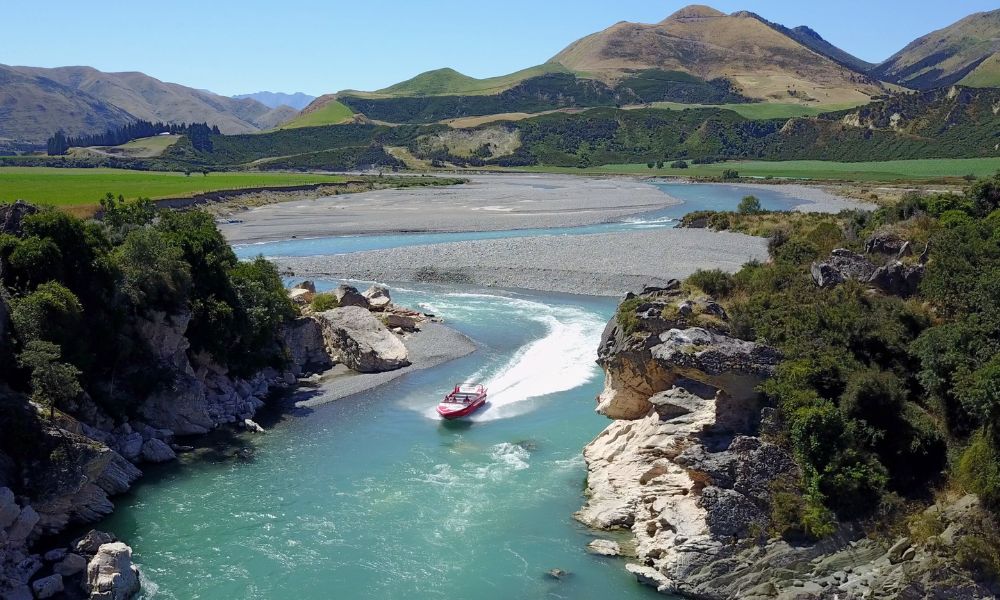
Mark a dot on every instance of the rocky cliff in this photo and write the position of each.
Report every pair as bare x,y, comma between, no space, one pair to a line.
690,465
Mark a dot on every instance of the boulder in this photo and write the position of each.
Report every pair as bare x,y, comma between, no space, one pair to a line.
378,297
361,341
91,541
348,295
604,548
898,279
9,510
21,529
157,451
840,266
300,296
885,242
404,322
252,426
307,285
47,587
303,341
71,565
111,574
55,555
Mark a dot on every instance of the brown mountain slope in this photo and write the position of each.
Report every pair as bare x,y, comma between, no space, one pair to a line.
148,98
764,62
32,108
967,48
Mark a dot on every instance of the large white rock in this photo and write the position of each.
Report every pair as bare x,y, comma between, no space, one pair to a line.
361,341
111,574
378,297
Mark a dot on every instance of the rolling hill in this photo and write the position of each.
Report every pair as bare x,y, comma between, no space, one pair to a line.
697,55
766,63
36,102
966,52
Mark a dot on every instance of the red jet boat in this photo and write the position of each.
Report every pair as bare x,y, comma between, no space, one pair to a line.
464,400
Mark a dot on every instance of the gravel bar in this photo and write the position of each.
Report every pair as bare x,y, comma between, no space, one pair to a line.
605,264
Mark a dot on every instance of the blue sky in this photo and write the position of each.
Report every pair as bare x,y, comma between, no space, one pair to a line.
317,47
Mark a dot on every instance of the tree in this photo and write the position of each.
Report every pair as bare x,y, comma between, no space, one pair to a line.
749,205
730,174
58,144
154,274
121,214
650,165
53,383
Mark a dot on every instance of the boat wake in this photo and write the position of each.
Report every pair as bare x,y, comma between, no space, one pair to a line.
561,360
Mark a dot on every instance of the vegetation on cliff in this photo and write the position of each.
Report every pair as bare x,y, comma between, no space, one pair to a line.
80,291
883,398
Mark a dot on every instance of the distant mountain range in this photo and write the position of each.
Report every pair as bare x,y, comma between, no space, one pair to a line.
761,60
36,102
696,55
298,100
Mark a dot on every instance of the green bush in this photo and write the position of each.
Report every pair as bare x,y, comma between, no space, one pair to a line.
749,205
679,164
324,302
714,282
626,315
979,468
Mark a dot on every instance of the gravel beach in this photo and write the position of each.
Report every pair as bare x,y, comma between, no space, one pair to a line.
605,264
486,203
433,345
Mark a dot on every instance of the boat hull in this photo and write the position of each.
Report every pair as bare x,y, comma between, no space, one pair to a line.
458,413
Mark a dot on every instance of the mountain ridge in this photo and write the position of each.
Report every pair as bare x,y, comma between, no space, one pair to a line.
949,55
84,100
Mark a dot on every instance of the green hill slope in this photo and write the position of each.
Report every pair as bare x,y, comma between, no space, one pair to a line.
325,110
449,82
949,55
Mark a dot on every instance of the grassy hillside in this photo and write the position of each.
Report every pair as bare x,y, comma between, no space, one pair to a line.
775,110
764,62
987,74
442,82
331,112
948,55
70,187
884,171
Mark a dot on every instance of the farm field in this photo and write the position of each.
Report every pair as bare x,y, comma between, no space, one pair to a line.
80,187
894,170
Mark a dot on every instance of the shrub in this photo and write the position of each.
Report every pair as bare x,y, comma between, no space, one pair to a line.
714,282
797,252
627,319
154,274
679,164
324,302
719,221
979,468
730,174
749,205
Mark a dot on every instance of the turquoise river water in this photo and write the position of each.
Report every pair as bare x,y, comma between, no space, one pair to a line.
374,497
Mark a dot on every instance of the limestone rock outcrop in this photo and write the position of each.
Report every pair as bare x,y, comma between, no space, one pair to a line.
111,574
683,468
894,276
359,340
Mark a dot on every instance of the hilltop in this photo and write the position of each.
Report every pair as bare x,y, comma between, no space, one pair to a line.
764,61
966,52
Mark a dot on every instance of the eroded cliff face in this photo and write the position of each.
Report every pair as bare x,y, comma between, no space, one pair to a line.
685,468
